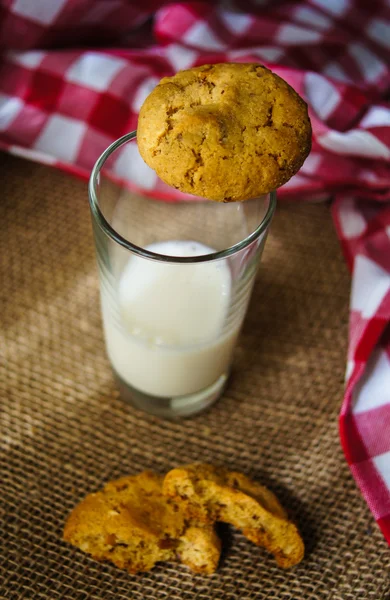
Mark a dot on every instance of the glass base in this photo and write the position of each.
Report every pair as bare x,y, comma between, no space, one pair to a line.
176,406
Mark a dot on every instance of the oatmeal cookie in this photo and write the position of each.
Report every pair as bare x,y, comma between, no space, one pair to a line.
226,132
131,524
212,494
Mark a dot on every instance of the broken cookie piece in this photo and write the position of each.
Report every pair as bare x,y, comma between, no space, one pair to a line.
131,524
212,494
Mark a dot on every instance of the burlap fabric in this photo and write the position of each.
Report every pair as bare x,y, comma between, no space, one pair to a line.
65,431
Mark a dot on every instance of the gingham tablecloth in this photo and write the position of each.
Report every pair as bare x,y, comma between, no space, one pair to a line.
63,106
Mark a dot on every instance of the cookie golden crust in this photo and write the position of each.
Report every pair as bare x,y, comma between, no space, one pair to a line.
226,132
131,524
212,494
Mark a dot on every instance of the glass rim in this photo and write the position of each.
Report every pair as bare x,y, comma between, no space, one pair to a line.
144,253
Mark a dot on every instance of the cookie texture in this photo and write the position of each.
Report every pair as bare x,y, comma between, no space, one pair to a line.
212,494
131,524
226,132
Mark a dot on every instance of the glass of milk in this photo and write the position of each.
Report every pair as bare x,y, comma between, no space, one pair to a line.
176,274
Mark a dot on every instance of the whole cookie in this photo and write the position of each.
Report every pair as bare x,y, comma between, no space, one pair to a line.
225,132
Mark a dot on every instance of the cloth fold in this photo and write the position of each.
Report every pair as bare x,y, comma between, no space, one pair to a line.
63,106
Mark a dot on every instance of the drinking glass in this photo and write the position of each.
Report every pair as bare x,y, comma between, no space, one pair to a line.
176,275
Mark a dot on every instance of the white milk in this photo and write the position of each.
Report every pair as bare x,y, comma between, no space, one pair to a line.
167,340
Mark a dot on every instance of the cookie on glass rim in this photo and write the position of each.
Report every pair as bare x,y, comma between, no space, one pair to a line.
226,132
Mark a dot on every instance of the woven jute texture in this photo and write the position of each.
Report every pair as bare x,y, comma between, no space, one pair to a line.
65,431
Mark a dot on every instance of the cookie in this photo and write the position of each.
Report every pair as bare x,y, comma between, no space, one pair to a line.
226,132
131,524
212,494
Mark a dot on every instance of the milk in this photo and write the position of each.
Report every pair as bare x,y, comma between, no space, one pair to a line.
165,332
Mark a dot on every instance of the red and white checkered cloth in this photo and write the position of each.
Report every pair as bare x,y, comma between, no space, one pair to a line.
65,106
